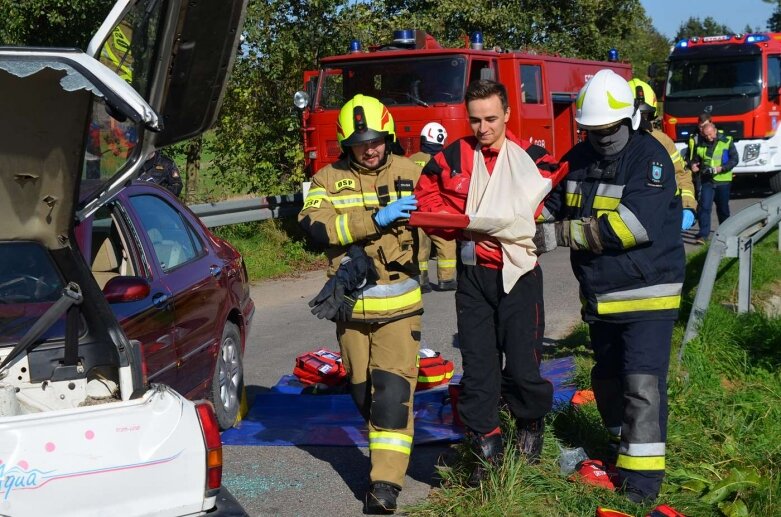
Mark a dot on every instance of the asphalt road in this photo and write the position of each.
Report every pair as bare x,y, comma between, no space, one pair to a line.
314,481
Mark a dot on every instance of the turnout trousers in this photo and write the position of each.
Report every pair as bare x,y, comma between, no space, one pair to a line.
630,385
446,255
500,337
381,362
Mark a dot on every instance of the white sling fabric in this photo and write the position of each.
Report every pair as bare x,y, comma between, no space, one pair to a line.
502,205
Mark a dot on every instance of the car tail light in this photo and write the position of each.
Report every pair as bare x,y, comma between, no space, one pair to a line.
211,436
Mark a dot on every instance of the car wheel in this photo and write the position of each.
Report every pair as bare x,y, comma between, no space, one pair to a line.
228,380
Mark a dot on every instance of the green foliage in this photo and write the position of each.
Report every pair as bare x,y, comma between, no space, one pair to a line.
696,27
51,23
774,22
272,248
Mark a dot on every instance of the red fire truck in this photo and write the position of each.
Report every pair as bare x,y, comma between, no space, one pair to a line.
737,79
421,82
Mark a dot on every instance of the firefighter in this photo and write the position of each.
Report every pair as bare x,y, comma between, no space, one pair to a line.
499,303
646,101
162,170
363,201
713,159
433,138
621,217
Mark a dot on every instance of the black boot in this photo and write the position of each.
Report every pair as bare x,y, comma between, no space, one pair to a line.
381,498
490,451
530,436
425,286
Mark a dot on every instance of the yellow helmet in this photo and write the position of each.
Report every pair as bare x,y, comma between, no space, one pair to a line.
643,92
363,119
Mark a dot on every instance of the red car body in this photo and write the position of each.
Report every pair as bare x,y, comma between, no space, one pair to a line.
194,318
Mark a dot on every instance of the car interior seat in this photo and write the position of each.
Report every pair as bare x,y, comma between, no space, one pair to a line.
105,264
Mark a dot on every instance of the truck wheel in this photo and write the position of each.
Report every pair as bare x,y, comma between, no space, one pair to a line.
228,380
775,182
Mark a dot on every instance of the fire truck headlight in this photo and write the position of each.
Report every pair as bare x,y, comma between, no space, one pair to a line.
301,100
750,152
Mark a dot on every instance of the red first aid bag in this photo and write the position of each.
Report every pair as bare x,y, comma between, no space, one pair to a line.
433,370
321,366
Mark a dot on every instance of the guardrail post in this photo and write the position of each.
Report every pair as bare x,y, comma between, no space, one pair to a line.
745,256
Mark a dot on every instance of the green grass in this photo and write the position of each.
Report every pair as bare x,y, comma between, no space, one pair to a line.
724,432
273,248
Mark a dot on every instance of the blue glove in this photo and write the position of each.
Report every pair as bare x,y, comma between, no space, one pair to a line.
688,219
399,209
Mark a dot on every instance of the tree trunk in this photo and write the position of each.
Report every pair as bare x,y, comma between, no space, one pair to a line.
192,168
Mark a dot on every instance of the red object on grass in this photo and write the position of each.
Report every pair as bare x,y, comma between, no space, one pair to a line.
582,397
594,473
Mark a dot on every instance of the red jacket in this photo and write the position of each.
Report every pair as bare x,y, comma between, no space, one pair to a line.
444,184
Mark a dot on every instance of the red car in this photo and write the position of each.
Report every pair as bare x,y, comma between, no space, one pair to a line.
175,287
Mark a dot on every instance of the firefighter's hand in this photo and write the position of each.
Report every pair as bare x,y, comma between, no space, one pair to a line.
687,221
399,209
695,167
579,234
484,241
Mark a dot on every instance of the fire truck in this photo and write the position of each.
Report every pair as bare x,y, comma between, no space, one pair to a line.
737,79
420,82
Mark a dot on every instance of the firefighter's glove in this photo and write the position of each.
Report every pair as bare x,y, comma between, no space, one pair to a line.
687,221
579,234
399,209
328,301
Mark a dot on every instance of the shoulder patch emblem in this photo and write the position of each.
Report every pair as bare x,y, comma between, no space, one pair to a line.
346,183
656,174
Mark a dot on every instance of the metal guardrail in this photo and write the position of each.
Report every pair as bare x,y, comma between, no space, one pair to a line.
248,210
735,237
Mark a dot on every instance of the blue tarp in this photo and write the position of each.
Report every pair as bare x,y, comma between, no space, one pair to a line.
286,416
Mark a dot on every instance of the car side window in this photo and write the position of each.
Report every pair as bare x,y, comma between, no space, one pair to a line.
174,240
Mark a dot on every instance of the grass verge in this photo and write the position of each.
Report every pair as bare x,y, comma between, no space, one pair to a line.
273,248
724,432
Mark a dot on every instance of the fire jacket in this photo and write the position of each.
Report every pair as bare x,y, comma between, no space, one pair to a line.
338,212
444,184
683,176
639,274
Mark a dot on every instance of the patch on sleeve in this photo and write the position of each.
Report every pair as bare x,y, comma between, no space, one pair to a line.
312,203
655,175
346,183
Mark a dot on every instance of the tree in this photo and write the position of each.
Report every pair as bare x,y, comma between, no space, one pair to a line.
51,23
774,22
696,27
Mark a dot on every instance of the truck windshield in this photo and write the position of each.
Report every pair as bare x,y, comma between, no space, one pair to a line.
727,76
410,81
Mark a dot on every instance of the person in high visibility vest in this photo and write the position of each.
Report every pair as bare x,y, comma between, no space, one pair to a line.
621,217
433,138
713,158
645,97
358,206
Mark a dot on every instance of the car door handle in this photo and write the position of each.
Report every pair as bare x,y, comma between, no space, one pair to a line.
160,300
215,271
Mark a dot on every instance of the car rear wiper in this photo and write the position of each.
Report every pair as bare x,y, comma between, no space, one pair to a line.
71,296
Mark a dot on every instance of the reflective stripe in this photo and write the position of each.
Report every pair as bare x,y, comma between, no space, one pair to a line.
642,449
423,266
389,297
343,229
446,263
545,215
607,197
435,378
653,298
627,227
385,440
346,201
607,190
640,462
688,193
573,196
676,157
316,193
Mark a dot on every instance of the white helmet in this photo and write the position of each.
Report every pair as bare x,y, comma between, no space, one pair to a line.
604,100
434,133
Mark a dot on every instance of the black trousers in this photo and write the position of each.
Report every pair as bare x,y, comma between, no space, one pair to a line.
500,336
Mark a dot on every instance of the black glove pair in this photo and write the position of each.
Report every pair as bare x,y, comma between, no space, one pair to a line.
336,299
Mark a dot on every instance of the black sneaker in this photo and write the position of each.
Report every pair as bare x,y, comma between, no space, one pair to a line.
490,451
636,496
381,498
530,438
448,285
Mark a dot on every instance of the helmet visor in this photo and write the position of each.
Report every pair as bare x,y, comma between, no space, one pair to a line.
362,137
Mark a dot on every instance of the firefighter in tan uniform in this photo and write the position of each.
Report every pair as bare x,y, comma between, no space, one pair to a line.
361,203
433,138
646,98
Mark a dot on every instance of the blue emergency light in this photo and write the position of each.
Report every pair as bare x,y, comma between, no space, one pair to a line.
682,44
476,40
612,54
404,37
355,45
757,38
